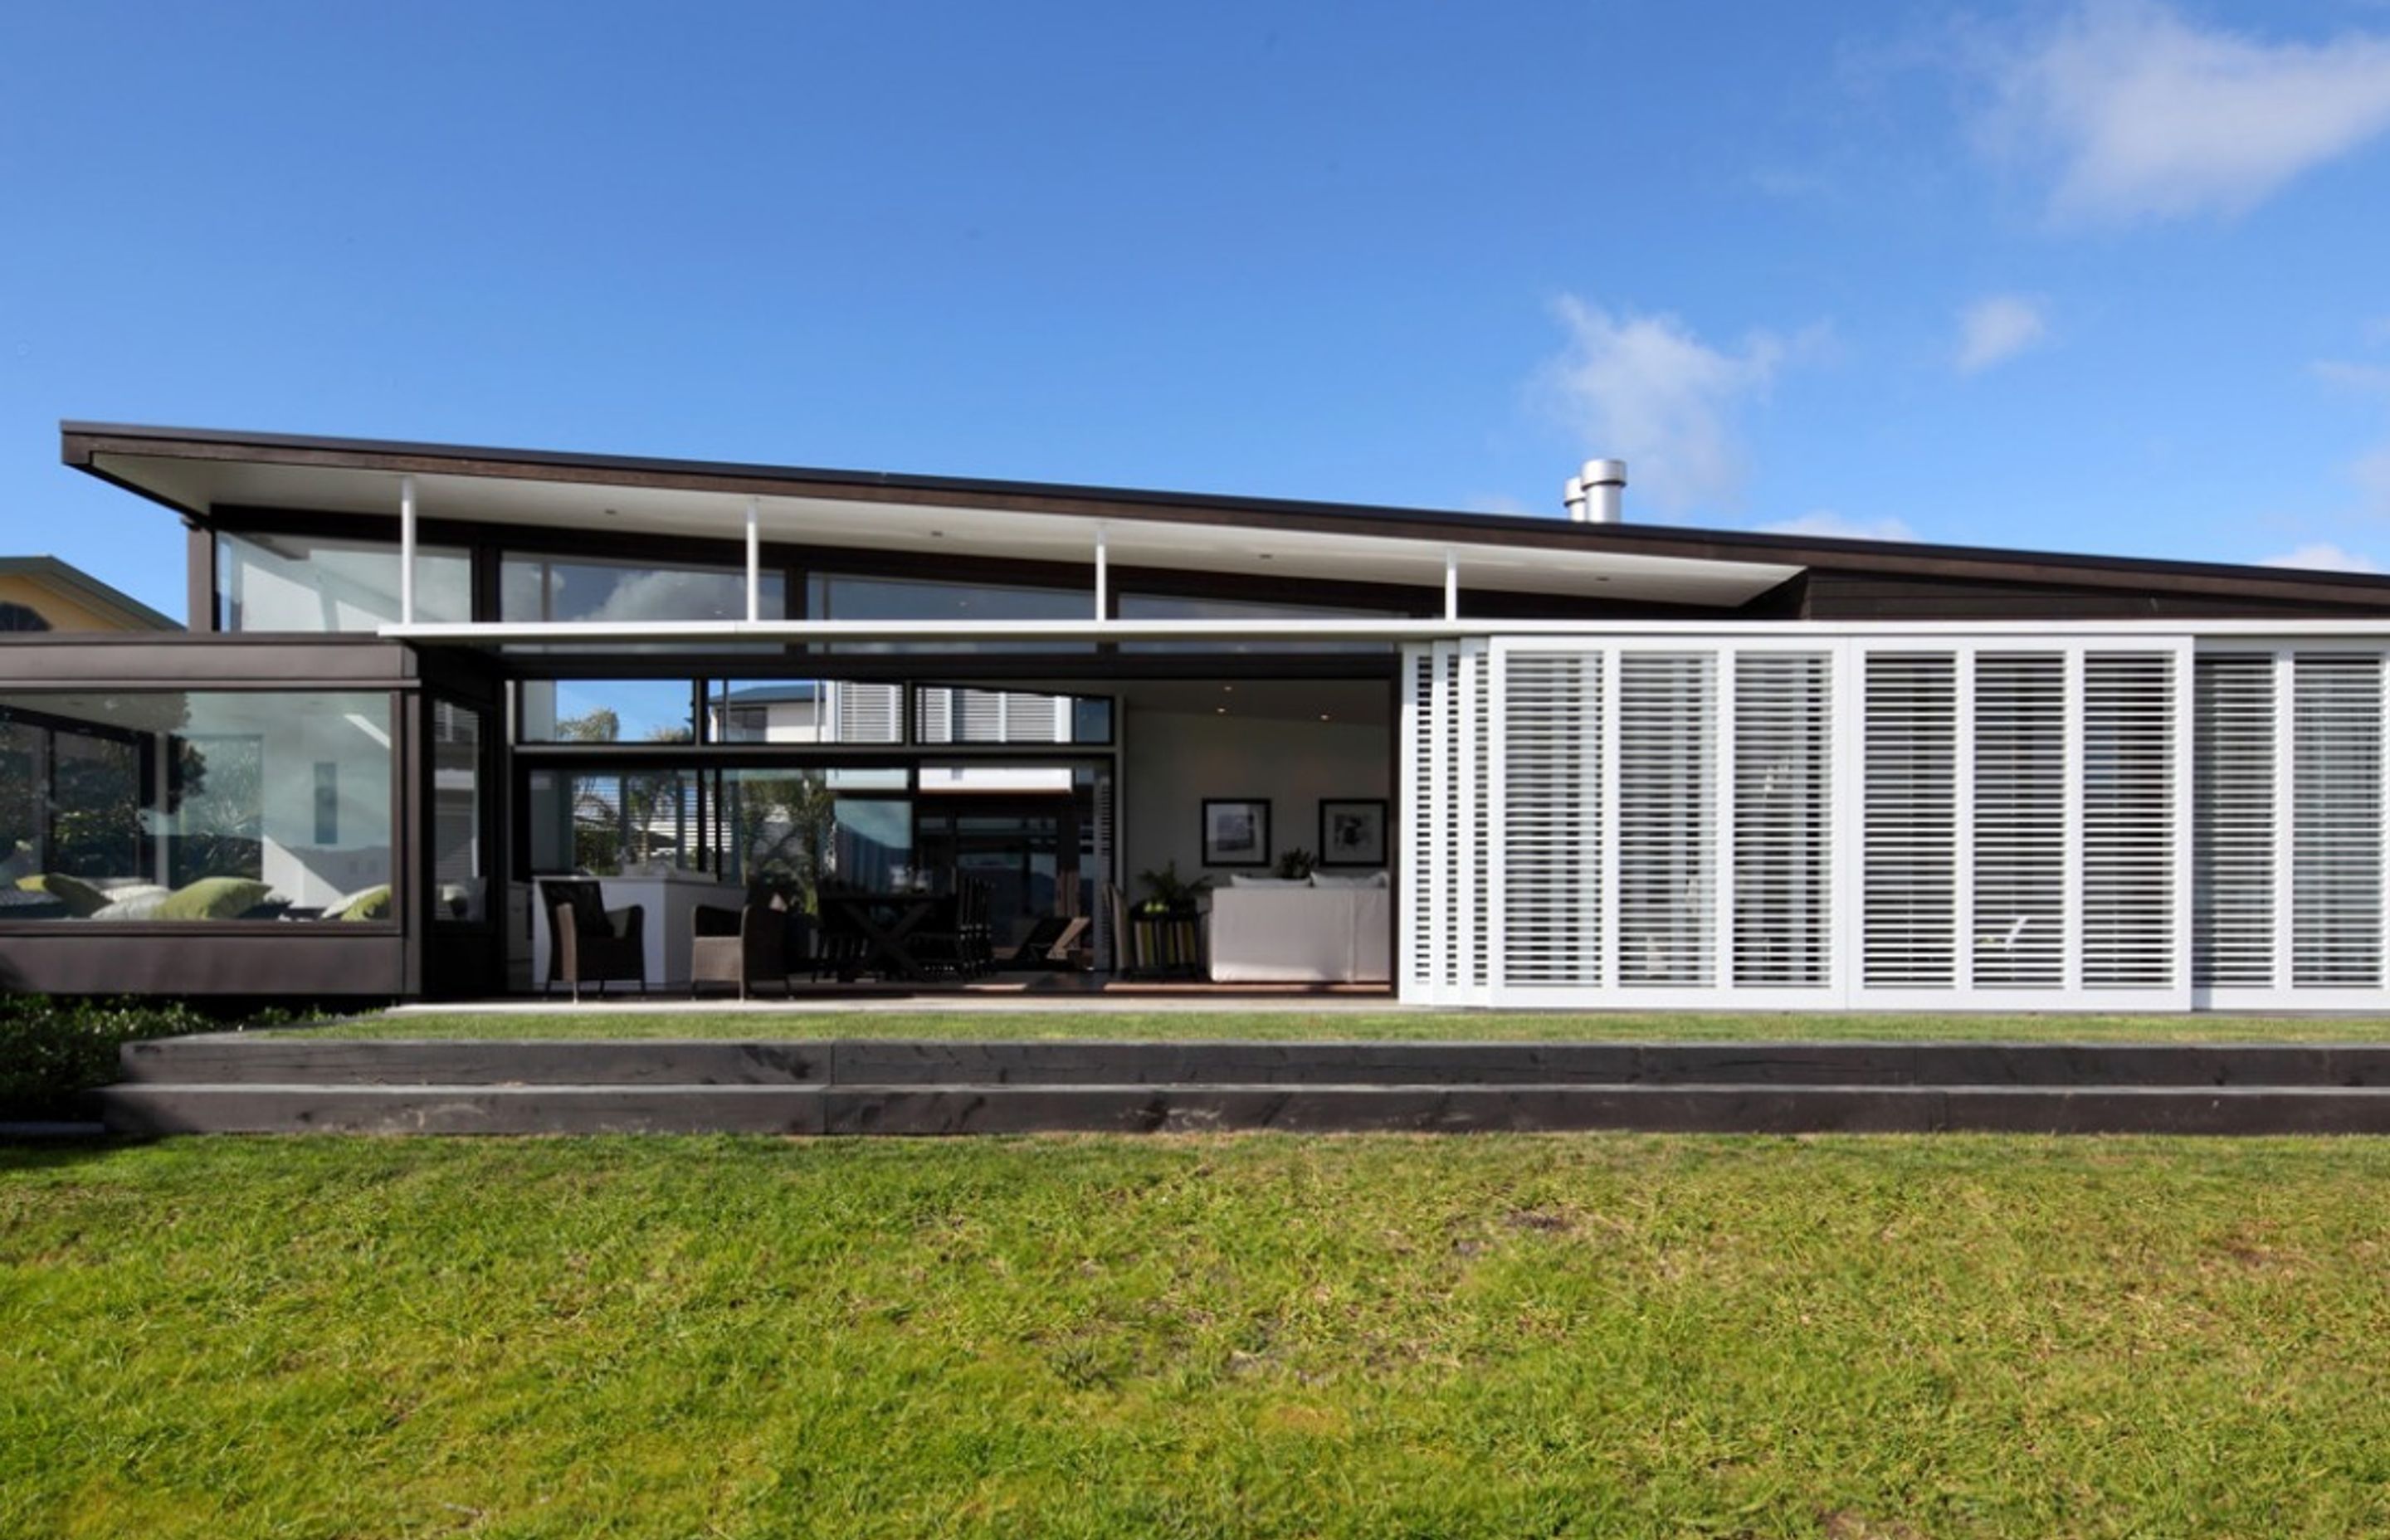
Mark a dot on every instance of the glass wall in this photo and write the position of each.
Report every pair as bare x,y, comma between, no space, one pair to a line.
1179,607
606,710
456,868
195,805
534,587
836,597
294,582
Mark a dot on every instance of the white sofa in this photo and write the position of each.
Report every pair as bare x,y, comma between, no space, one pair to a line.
1297,933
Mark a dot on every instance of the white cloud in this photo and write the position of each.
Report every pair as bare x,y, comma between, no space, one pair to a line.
2370,471
1998,328
2148,116
1645,389
1828,524
2353,376
2321,556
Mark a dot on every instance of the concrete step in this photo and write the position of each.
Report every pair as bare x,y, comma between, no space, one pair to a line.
233,1059
956,1108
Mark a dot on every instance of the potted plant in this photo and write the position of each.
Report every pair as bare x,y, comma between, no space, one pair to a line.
1296,864
1168,894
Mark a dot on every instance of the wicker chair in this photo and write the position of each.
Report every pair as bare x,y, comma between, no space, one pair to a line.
740,946
587,942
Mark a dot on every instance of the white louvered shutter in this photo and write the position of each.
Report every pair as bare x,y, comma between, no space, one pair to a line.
2336,811
2128,824
865,713
2233,812
1783,804
1553,823
2020,864
1909,884
1666,826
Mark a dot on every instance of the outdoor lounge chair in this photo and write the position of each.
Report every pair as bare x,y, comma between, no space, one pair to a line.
587,942
753,943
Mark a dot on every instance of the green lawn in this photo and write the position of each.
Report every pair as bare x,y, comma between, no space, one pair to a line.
1378,1025
1256,1335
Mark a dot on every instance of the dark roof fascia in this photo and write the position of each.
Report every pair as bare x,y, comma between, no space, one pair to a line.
81,441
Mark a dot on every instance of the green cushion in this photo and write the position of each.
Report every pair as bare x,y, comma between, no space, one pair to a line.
373,903
80,897
214,898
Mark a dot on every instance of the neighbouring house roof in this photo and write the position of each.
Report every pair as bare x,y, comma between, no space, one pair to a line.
87,598
200,471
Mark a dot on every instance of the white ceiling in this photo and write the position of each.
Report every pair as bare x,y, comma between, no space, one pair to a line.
928,527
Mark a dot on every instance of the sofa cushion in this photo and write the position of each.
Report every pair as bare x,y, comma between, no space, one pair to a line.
80,898
1239,880
1353,880
372,903
214,898
134,900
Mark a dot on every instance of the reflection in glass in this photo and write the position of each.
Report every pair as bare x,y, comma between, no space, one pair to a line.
456,814
535,587
1177,607
606,710
835,596
290,582
195,805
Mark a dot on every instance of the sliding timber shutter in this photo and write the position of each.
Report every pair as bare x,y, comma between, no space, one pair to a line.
2128,799
1908,892
1783,819
1554,823
2336,803
2233,822
1711,820
1666,832
2020,806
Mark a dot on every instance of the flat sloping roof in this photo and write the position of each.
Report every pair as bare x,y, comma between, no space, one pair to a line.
197,470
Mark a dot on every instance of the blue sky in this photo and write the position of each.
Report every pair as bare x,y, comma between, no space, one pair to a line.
2109,277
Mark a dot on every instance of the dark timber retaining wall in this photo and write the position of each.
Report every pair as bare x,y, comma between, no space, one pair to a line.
236,1084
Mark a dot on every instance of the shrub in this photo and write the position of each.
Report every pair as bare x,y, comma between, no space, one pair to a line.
52,1048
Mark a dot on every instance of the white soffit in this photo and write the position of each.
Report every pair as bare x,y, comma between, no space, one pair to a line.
927,528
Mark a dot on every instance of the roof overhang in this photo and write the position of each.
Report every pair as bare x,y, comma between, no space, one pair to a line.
197,473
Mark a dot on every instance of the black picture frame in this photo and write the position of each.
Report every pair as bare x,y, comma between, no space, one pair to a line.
1236,831
1353,831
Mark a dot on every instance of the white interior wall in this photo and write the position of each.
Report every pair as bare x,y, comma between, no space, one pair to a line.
1172,761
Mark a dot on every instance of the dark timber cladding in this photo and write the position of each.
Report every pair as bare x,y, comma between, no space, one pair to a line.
1845,579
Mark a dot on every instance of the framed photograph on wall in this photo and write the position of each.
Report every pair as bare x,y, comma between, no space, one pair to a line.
1236,831
1353,832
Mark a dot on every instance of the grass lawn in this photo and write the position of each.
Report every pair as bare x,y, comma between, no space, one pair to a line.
1382,1026
1243,1336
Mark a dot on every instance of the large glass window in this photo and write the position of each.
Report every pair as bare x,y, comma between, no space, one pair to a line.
606,710
803,711
616,822
195,805
840,598
295,583
535,587
456,864
1179,607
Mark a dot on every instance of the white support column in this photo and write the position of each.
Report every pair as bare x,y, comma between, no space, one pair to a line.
754,564
407,550
1103,571
1451,584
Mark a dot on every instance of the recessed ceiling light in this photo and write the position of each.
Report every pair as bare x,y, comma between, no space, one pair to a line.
1323,716
937,534
1265,555
613,513
1219,710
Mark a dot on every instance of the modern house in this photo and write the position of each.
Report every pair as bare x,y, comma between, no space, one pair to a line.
1590,762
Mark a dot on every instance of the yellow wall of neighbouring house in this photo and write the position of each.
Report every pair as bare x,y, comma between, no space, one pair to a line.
63,613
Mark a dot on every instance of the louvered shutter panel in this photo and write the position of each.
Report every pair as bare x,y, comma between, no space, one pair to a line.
980,717
933,714
2020,821
1909,865
2336,811
867,713
1476,899
1423,852
2233,821
1783,807
1553,822
1666,827
2129,826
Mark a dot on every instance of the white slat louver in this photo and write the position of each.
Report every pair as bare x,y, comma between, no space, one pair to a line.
2233,820
1666,827
1909,844
1553,821
2020,821
2128,846
2336,809
1783,804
